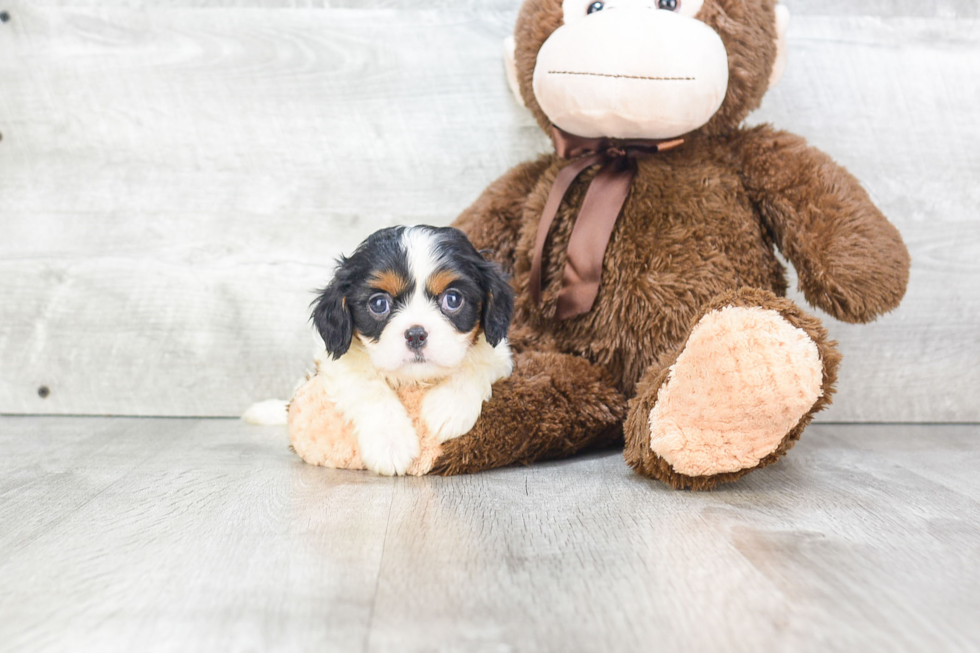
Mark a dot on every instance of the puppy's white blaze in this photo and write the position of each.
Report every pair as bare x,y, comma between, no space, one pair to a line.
386,436
451,408
423,257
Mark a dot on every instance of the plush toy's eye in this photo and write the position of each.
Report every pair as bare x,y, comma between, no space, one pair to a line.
379,305
669,5
452,301
594,7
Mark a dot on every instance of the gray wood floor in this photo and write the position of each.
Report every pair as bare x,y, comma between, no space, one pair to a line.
209,535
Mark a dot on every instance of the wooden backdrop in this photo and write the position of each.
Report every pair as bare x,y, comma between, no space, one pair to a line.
177,175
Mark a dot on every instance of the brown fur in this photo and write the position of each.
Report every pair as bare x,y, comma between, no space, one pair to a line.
552,406
389,281
698,231
851,261
439,281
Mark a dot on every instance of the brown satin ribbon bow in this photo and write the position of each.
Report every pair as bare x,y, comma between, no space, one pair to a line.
596,219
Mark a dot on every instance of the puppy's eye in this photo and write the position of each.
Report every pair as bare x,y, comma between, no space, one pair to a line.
669,5
452,301
594,7
379,305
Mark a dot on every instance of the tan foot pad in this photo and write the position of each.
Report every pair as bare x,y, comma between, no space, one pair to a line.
744,380
321,435
318,432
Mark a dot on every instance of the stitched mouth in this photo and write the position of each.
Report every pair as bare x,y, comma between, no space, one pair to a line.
653,79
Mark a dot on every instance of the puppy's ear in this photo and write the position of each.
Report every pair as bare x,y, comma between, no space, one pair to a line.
332,316
498,303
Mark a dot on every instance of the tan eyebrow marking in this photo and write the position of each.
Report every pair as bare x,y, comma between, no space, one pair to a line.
439,281
389,281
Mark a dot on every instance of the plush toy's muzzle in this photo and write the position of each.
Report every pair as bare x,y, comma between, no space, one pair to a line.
631,72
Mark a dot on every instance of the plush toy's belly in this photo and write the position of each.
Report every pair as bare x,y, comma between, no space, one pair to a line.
686,234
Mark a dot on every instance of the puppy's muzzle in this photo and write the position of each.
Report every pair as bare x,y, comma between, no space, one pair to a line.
416,338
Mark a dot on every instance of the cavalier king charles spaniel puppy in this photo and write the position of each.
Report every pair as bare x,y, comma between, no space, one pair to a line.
411,306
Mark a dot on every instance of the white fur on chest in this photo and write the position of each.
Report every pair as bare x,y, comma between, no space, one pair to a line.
368,399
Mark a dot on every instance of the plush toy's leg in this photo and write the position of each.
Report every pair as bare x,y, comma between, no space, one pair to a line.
317,430
553,405
735,396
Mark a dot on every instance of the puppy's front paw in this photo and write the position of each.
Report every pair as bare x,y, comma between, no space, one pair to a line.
391,451
450,414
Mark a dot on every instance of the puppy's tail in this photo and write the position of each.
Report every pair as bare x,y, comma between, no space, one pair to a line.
271,412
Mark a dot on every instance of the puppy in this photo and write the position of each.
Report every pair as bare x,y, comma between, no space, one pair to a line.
412,306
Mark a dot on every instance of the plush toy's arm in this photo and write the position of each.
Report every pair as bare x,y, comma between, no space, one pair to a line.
493,222
851,261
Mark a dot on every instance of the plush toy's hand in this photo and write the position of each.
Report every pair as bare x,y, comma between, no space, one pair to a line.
851,261
855,276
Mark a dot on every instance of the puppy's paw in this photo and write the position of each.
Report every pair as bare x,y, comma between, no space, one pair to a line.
390,451
449,413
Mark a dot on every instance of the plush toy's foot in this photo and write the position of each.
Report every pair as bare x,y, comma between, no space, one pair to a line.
321,435
737,394
317,430
553,405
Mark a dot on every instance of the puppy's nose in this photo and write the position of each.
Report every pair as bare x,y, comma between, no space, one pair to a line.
416,337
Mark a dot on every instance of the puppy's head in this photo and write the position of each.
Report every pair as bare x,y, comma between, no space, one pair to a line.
417,299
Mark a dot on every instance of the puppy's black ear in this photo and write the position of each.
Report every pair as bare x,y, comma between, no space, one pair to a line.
498,304
332,316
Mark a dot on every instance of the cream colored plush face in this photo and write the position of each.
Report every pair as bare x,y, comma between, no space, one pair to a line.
631,70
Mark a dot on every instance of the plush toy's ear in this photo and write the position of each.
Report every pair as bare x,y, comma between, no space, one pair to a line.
510,66
332,317
782,24
498,304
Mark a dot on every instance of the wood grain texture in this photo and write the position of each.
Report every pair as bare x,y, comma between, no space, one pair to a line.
161,535
126,534
176,181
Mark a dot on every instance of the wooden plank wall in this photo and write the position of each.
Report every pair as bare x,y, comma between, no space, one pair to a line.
177,175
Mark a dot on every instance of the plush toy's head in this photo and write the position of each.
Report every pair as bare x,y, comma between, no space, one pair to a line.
646,68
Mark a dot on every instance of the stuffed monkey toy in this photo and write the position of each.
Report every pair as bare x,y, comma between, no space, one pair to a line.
650,307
